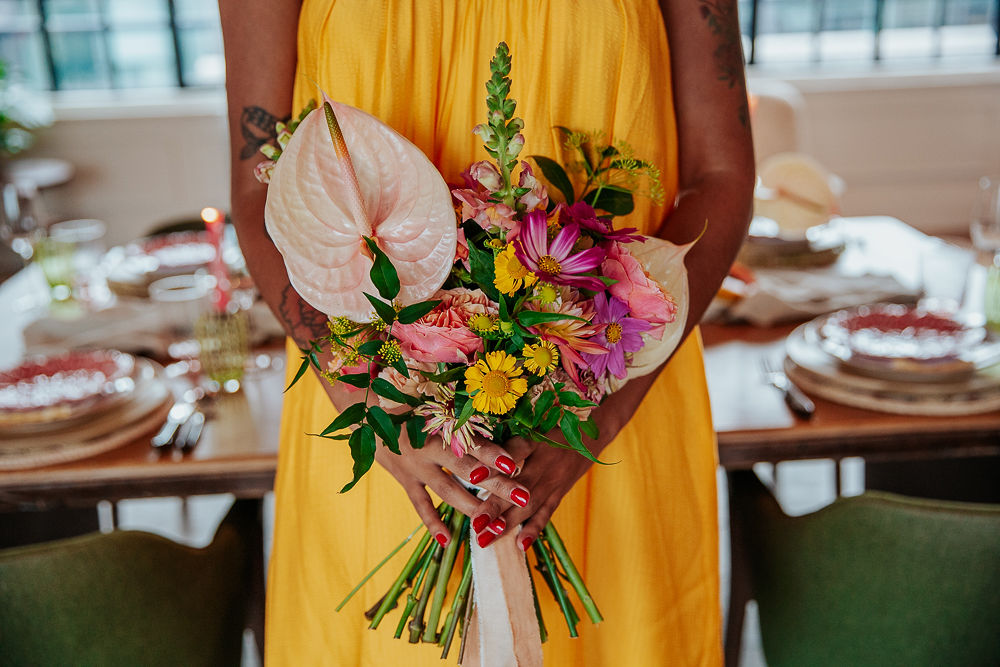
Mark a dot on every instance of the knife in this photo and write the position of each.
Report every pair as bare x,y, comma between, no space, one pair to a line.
179,413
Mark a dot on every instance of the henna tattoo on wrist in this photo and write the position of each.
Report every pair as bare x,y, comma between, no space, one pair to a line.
304,322
257,128
724,23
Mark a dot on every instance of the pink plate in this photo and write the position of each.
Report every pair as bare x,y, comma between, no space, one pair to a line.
44,389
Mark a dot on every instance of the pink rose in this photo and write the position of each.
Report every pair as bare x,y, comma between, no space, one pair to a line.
443,335
644,296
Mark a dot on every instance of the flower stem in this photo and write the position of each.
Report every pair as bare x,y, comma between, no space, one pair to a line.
417,624
457,609
562,555
549,570
378,567
538,609
411,599
444,574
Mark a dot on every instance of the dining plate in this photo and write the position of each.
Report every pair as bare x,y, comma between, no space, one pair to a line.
47,391
905,343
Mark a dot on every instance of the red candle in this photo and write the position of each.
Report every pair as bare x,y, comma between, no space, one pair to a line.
214,224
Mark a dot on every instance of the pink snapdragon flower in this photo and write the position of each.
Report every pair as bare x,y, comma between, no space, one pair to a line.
620,335
537,196
554,261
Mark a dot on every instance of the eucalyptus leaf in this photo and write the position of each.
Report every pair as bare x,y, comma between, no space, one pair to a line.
362,445
383,273
556,175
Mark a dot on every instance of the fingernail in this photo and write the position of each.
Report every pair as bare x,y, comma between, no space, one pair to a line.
480,522
505,464
479,474
526,543
498,526
520,497
442,539
484,538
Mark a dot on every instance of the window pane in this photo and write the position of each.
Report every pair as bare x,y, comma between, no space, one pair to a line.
143,58
197,11
18,16
130,12
967,12
908,29
80,60
785,31
25,58
202,57
72,15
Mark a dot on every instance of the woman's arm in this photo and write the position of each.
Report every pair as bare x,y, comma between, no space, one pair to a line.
716,187
260,39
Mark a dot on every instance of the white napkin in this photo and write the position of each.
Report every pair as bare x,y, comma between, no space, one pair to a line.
785,295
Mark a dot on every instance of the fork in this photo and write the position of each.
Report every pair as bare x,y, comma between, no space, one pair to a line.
797,401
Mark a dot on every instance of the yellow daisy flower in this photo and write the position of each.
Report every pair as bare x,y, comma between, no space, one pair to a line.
540,358
495,383
482,323
510,274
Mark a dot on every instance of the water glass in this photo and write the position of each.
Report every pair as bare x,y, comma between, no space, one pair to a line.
944,276
86,238
224,344
180,301
20,228
984,227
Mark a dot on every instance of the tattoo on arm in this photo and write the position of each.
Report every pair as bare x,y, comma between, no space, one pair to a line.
303,321
257,128
724,23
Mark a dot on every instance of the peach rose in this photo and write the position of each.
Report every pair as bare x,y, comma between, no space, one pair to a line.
443,335
644,296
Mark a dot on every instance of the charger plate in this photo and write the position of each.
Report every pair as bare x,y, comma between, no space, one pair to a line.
142,412
820,374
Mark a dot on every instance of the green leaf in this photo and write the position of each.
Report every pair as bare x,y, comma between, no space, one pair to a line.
446,377
370,348
556,175
303,367
550,420
386,389
531,317
542,405
570,427
464,415
414,430
383,273
359,380
362,444
523,411
400,367
611,199
384,310
589,428
483,272
411,314
384,428
339,436
574,400
349,417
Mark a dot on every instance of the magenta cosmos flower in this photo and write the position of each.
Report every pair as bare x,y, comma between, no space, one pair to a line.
620,335
554,261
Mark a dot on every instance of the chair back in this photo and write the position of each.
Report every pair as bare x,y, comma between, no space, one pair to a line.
126,598
876,579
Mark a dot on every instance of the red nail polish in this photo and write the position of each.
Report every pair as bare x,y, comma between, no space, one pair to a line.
520,497
498,526
480,522
479,474
526,543
505,464
485,538
442,539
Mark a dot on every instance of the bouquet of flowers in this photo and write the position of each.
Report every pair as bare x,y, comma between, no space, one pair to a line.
488,310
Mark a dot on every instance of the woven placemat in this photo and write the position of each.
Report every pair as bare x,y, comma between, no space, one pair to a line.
143,412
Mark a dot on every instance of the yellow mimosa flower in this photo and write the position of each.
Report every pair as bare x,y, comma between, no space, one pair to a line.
509,274
540,358
495,383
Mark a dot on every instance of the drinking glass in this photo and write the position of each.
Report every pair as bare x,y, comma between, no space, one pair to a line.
985,232
86,238
180,301
223,339
19,218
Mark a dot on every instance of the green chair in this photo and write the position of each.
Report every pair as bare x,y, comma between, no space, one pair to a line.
128,598
877,579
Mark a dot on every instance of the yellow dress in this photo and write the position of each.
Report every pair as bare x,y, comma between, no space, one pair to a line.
643,532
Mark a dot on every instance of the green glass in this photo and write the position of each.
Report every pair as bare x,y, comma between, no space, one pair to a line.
992,305
56,261
223,339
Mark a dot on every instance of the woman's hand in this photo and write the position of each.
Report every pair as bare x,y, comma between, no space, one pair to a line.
417,470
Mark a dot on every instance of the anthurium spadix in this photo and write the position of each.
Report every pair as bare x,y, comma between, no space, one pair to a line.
346,175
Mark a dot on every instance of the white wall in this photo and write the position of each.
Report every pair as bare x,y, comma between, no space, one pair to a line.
907,146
